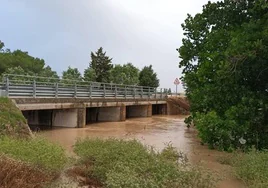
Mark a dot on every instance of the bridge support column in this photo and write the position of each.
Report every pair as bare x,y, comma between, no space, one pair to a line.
81,118
123,113
149,110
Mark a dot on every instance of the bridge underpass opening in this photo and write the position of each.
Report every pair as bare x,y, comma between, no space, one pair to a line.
159,109
105,114
46,119
138,111
39,119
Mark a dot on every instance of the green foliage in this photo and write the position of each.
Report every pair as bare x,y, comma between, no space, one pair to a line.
71,75
101,64
19,58
224,59
148,77
12,122
36,151
21,63
90,75
119,163
127,74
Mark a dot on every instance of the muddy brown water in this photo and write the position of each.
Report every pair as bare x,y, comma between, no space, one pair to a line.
156,131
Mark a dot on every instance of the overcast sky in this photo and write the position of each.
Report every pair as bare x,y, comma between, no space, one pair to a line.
64,32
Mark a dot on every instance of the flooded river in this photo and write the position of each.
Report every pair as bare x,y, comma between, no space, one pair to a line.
156,131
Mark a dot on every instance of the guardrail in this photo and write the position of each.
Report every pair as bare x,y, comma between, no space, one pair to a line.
44,87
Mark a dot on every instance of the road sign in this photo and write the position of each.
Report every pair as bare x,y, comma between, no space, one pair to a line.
176,81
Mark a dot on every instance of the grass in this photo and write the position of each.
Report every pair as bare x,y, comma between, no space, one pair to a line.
251,168
12,121
36,151
119,163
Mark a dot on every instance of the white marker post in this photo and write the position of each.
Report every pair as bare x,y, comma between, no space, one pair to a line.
176,82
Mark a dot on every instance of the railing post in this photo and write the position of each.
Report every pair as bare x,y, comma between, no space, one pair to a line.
125,92
166,94
161,93
104,89
134,92
115,91
149,93
7,85
155,93
34,88
90,90
57,90
75,90
141,92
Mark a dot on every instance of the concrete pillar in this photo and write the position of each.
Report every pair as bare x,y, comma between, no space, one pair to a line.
81,118
123,113
69,118
149,110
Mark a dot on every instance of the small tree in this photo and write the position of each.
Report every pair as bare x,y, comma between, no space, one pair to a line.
148,77
127,74
101,64
71,75
90,74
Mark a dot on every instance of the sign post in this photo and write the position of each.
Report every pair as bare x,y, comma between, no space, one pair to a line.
176,82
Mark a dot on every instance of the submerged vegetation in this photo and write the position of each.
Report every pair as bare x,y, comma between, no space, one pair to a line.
119,163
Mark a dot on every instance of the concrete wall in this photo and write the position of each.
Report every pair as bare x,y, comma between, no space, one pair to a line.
105,114
138,111
65,118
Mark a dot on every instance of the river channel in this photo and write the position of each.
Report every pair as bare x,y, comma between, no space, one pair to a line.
156,131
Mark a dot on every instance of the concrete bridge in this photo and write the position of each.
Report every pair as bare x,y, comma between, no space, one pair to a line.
67,103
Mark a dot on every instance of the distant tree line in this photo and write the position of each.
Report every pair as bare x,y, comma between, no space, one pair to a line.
100,69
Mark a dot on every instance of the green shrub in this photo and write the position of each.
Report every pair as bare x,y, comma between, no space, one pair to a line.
37,151
119,163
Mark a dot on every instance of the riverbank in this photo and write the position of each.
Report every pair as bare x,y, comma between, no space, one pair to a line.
115,147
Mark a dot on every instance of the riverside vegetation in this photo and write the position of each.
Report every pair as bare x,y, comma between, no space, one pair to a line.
29,161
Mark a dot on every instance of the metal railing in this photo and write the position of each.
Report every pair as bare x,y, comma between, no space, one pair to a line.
44,87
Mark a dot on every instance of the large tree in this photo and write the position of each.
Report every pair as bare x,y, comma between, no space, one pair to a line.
99,67
19,58
19,62
148,77
225,65
126,74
